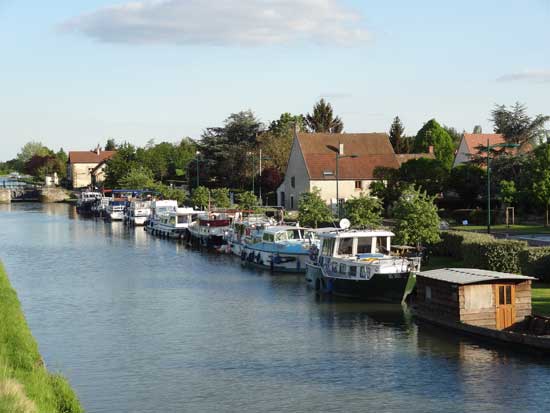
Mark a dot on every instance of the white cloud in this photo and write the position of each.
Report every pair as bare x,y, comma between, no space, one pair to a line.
222,22
537,76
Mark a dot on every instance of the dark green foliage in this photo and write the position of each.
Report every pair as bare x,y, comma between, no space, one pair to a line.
451,242
477,129
139,177
417,222
468,181
322,120
397,138
110,145
220,198
20,359
312,210
535,261
364,211
455,135
540,183
432,134
388,186
493,254
429,174
228,150
518,127
200,197
247,201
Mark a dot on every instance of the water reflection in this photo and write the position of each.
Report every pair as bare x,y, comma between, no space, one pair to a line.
144,324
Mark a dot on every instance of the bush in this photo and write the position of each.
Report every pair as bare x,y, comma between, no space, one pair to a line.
535,261
451,243
493,254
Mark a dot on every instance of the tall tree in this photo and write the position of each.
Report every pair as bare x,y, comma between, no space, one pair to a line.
417,221
477,129
276,142
364,211
455,135
432,134
540,186
322,120
312,210
397,138
468,181
231,150
518,127
30,149
429,174
110,145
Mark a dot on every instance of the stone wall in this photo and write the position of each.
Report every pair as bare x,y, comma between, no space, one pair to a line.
53,195
5,196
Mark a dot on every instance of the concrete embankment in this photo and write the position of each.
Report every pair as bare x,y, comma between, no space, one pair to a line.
54,195
25,384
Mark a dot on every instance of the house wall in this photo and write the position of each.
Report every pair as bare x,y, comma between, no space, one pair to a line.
346,189
477,305
80,174
296,168
523,300
99,174
462,153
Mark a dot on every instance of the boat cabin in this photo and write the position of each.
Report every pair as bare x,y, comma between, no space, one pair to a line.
361,244
481,298
283,234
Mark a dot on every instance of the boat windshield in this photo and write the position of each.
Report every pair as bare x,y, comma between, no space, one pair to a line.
345,246
364,245
294,234
381,245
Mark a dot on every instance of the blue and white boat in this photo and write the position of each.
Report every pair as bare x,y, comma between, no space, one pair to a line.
282,249
247,231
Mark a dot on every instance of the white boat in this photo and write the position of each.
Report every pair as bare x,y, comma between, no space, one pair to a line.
137,212
159,208
99,207
246,232
210,230
86,200
282,248
175,224
359,264
115,210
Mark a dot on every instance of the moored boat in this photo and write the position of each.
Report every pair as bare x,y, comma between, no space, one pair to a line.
282,248
115,210
86,201
210,230
175,224
358,264
159,208
246,232
137,212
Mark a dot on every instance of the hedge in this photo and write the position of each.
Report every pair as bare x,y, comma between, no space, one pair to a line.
493,254
535,261
484,251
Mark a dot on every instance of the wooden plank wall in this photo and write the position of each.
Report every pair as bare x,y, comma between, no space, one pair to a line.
523,300
444,302
481,317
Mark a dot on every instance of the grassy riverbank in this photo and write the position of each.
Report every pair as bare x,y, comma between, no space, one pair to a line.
25,384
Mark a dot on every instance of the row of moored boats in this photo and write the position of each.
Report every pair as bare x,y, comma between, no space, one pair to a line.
342,261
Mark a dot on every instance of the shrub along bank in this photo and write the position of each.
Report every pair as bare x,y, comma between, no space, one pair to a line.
486,252
25,383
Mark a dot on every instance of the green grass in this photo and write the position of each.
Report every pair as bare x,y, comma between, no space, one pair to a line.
25,384
513,229
442,262
541,299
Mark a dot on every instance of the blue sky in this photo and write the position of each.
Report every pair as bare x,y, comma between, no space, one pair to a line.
77,73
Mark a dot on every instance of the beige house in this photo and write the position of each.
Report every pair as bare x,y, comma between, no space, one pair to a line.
87,167
312,163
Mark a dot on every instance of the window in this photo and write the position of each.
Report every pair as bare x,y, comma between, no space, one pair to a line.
359,185
268,237
364,245
363,272
293,182
342,269
291,202
428,292
508,294
293,234
381,243
328,246
353,271
182,219
283,200
345,246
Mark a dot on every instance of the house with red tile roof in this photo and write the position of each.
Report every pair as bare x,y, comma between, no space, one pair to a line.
83,165
312,164
471,143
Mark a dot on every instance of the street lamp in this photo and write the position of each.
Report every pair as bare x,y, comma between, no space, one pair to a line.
339,155
198,161
260,158
489,148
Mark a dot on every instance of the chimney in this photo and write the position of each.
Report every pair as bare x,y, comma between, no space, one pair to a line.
431,149
341,148
296,128
98,149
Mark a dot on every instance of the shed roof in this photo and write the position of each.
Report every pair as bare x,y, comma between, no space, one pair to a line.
372,150
464,276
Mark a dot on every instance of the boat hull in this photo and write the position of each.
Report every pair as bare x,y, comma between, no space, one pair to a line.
274,261
379,288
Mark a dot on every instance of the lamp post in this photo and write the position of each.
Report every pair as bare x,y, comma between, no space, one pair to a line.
198,161
260,158
339,155
489,148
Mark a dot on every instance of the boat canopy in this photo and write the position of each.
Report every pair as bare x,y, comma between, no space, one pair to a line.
356,234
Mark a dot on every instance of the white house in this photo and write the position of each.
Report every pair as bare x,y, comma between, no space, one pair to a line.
312,163
82,166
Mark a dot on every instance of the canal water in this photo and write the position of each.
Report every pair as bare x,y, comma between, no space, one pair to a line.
140,324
